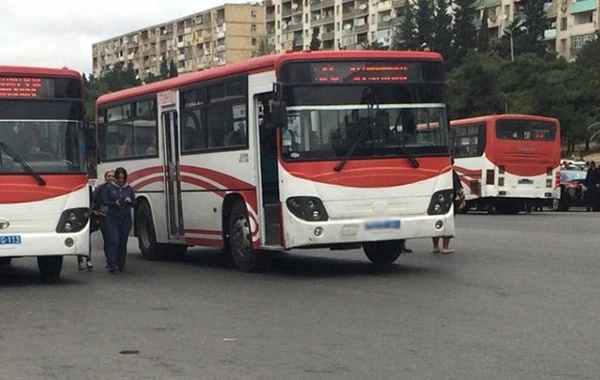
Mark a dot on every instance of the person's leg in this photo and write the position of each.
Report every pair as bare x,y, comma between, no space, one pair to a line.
112,244
124,229
446,245
404,247
436,244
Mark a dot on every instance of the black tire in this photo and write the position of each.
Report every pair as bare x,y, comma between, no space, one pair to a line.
50,266
383,252
151,250
239,239
509,208
176,252
5,261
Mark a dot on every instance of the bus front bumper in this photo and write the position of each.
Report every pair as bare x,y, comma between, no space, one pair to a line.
45,244
302,234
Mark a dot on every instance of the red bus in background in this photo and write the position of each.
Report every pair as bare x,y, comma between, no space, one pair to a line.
300,150
505,161
44,194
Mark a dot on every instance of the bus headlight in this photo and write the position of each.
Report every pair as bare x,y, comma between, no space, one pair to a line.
440,203
310,209
73,220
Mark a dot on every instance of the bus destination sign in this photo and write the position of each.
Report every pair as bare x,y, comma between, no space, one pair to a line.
20,87
360,73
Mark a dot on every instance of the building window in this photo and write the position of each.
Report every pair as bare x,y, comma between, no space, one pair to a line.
254,42
563,23
563,44
253,28
577,42
253,14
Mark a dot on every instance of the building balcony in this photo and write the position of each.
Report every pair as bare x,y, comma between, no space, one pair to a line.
270,16
361,28
384,24
347,15
488,3
294,27
328,36
549,34
384,5
398,3
361,10
221,48
583,6
286,12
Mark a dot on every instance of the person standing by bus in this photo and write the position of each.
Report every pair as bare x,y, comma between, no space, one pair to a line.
98,214
119,198
459,203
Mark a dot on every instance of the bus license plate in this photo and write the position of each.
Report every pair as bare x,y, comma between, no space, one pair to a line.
383,225
12,239
525,181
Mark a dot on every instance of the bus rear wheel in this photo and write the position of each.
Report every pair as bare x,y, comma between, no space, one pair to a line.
509,207
150,248
5,260
50,266
383,252
239,239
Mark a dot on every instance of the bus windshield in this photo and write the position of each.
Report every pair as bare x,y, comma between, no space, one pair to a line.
328,132
47,146
534,130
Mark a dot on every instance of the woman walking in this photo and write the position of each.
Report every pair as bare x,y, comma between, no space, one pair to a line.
119,197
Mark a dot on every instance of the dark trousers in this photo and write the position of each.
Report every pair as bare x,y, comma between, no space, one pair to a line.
116,233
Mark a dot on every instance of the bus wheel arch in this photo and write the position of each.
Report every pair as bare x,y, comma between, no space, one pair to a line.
145,230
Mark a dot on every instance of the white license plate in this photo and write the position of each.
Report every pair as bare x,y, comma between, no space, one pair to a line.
10,239
382,225
525,181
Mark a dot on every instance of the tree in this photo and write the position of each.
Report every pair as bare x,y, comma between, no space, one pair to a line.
315,42
150,78
483,37
375,45
464,29
442,29
265,47
423,21
589,56
535,22
164,67
173,69
405,35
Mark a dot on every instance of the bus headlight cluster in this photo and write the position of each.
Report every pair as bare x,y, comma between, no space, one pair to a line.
310,209
73,220
440,203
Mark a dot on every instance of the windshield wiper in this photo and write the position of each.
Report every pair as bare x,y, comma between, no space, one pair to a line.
353,147
410,157
24,164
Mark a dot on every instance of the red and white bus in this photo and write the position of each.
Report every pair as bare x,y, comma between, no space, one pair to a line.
44,194
298,150
505,161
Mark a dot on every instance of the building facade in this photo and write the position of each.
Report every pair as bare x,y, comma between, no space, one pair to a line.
214,37
352,24
570,23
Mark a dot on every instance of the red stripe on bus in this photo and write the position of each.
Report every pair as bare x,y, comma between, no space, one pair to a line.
25,189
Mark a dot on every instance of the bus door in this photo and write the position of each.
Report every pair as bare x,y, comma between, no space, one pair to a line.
270,218
169,126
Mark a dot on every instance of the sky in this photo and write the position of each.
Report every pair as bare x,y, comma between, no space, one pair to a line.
59,33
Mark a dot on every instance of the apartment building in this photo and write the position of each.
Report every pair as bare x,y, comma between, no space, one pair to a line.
348,24
351,24
570,23
210,38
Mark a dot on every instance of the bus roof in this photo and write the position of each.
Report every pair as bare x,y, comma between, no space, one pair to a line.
480,119
259,64
29,70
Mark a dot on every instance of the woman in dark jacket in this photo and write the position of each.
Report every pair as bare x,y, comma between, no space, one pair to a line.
119,198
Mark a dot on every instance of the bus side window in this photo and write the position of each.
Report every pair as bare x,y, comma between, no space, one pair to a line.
193,132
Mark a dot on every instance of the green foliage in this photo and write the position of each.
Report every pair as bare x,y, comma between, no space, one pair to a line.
315,42
164,67
375,45
405,37
172,69
424,22
535,22
442,30
464,29
589,56
265,47
483,37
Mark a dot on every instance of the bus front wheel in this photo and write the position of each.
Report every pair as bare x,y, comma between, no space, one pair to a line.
383,252
150,248
50,266
239,239
5,260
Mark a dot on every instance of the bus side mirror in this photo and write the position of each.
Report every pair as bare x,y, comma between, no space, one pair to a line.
279,113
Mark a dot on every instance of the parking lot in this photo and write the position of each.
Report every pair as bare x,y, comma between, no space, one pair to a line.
518,300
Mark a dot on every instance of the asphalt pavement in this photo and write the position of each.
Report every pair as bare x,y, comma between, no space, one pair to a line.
519,299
